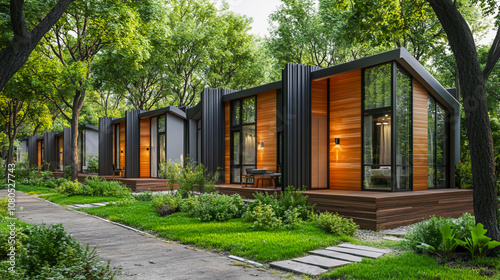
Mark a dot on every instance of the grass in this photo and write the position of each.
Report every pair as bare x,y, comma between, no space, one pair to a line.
410,265
234,236
34,190
77,199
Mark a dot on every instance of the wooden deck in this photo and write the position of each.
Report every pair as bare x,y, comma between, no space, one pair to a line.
380,210
135,184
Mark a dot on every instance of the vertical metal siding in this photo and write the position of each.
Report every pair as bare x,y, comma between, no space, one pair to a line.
105,146
50,150
132,142
192,134
33,150
212,130
296,98
67,146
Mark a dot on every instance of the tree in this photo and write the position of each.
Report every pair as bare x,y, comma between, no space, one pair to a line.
16,53
71,47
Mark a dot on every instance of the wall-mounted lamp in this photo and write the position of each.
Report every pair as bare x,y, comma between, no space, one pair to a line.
337,141
261,145
147,149
121,152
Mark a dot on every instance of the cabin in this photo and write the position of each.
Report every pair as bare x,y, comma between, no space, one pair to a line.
54,148
136,145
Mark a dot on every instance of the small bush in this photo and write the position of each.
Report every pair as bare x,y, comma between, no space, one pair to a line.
262,217
211,206
428,231
189,179
334,223
292,218
55,183
69,188
166,204
145,196
67,172
98,186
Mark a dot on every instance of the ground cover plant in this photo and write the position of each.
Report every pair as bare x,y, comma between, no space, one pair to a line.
48,252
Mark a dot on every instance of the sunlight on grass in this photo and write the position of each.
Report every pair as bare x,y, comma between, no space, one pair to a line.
77,199
234,236
34,190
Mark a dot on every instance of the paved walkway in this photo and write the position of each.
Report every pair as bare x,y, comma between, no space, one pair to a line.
141,257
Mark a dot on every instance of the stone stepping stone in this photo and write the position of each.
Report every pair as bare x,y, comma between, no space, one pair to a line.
364,248
99,204
393,238
398,233
321,261
298,267
356,252
82,206
336,255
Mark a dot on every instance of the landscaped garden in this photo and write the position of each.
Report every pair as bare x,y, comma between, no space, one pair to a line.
267,229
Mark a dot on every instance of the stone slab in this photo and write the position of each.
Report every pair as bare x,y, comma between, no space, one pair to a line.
393,238
336,255
356,252
99,204
365,248
397,233
322,262
298,267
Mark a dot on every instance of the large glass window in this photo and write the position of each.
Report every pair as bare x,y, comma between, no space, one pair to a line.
162,140
387,128
243,137
117,146
437,145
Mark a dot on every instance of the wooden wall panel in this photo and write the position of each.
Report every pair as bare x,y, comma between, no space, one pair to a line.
266,131
319,96
145,148
420,112
39,152
227,142
122,145
114,146
345,123
60,143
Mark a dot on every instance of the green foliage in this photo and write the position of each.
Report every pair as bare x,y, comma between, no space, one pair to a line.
93,163
447,247
211,206
292,218
94,186
145,196
464,170
189,179
54,183
478,244
429,231
51,253
166,204
336,224
262,217
67,172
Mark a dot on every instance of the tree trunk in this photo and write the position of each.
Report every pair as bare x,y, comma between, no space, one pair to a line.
472,85
77,107
19,49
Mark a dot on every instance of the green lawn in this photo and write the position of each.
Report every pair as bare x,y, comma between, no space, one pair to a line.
34,190
410,265
234,236
77,199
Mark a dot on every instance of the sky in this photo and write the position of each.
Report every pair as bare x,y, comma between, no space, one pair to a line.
259,10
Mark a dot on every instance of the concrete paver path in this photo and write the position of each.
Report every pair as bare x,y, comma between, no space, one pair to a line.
141,257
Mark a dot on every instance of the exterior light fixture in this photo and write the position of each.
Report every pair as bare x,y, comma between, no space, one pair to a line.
261,145
337,141
385,123
379,123
121,152
147,149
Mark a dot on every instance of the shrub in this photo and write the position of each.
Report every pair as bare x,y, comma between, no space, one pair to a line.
69,188
188,179
55,183
262,217
211,206
67,172
292,218
98,186
93,163
166,204
478,245
51,253
428,231
336,224
145,196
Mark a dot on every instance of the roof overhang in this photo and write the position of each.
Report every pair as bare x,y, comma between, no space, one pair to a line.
252,91
170,109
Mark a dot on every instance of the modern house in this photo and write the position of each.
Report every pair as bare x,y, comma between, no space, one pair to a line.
54,148
136,145
380,123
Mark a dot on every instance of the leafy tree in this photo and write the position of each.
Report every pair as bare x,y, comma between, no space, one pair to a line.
22,41
71,47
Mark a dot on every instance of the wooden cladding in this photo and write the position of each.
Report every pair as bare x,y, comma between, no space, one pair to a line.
420,111
227,142
60,151
345,123
39,152
145,148
319,98
122,145
319,134
266,131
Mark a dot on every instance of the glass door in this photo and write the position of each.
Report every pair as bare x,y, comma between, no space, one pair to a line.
243,138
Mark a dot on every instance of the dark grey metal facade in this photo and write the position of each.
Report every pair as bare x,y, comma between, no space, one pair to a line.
296,125
33,150
67,147
132,144
50,150
212,130
105,146
191,149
